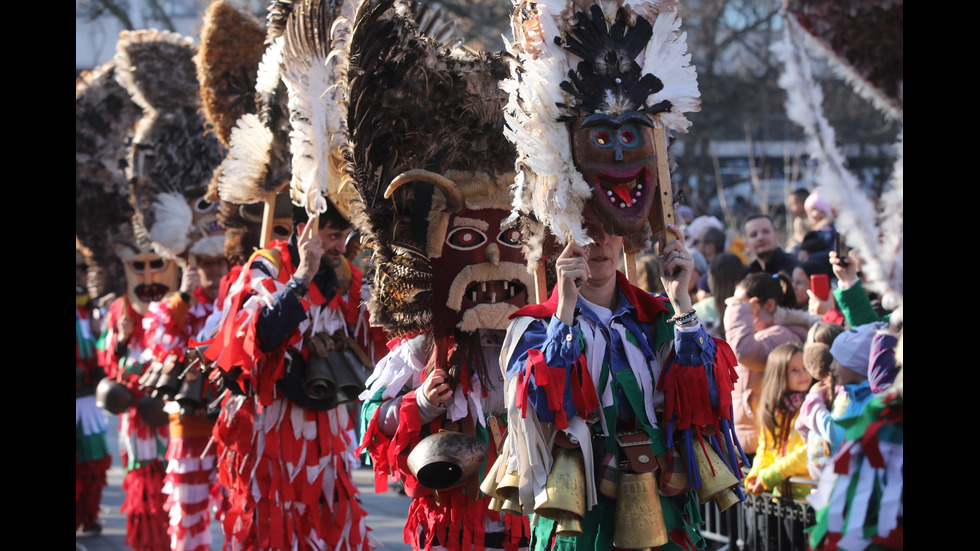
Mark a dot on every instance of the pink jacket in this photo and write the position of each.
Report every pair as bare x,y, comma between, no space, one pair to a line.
752,349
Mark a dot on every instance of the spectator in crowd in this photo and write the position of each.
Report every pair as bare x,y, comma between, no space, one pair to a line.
697,233
817,360
851,352
781,452
725,272
762,240
798,223
752,329
822,236
800,278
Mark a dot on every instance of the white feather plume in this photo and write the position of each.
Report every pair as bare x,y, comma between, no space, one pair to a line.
212,245
247,162
268,76
172,227
857,216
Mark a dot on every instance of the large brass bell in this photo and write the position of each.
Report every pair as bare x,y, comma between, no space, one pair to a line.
151,409
565,489
490,482
191,395
712,483
446,459
350,378
639,516
726,499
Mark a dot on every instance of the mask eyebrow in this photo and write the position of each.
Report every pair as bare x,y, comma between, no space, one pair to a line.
601,119
481,225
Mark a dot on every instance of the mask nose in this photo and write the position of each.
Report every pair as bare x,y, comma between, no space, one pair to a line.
619,152
493,254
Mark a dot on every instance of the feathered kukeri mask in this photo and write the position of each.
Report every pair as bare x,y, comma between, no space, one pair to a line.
594,84
432,168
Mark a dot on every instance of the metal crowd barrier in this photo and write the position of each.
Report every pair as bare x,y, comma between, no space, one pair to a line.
760,523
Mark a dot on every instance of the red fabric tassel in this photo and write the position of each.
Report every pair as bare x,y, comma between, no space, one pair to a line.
685,388
551,380
146,521
90,478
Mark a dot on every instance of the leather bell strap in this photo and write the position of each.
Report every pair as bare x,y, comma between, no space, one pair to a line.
636,446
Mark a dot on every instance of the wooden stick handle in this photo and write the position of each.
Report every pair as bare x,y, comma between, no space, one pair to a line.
267,214
663,175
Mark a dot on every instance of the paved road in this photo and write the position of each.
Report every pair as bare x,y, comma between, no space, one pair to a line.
387,512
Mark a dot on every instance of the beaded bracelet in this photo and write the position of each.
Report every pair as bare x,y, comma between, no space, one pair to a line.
682,319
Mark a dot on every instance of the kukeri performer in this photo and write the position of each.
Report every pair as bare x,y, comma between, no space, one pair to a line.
102,136
92,459
433,172
619,400
286,438
168,162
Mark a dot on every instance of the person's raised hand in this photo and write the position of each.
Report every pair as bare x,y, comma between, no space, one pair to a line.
190,280
436,387
846,269
819,307
572,268
676,267
310,251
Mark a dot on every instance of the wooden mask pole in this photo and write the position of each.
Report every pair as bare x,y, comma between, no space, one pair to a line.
663,182
267,215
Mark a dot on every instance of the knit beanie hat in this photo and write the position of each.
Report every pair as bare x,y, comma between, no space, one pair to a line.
853,347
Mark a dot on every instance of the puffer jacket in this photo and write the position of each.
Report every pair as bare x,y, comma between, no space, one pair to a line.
752,348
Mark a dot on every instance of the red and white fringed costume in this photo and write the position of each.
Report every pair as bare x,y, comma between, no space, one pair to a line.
141,446
92,459
287,467
450,519
191,484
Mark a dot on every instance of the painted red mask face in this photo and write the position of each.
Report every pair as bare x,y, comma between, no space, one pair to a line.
616,156
481,268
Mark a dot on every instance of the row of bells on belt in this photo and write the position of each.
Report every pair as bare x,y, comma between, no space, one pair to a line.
639,515
337,378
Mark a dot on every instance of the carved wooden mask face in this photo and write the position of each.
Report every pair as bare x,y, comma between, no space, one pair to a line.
617,157
148,278
481,267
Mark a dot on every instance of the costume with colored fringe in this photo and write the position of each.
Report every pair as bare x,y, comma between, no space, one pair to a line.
190,484
292,463
433,170
592,96
92,458
861,497
142,446
554,379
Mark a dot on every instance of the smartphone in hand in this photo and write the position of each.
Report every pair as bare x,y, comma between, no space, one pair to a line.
842,250
820,285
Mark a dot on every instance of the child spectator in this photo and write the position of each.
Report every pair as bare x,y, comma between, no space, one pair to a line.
851,352
781,453
817,360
